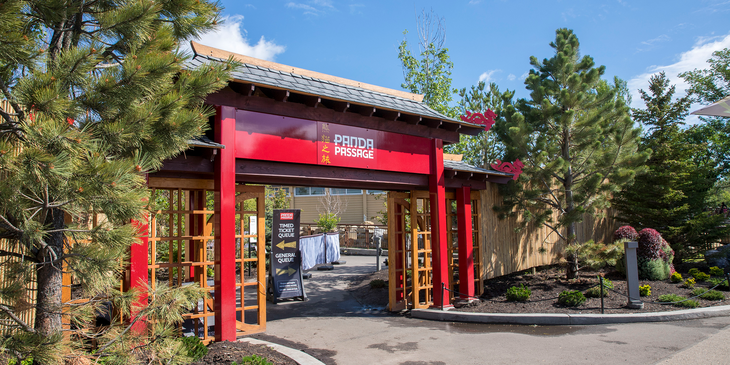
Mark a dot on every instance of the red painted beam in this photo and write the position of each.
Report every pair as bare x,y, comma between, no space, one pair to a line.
466,246
437,195
138,279
225,225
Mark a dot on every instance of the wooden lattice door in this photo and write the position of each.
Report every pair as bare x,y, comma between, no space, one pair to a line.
250,259
410,265
181,247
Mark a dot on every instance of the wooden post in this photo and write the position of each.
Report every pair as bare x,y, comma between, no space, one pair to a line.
466,246
225,225
437,197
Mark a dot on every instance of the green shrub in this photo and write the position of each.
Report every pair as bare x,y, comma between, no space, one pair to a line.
689,283
253,360
716,271
518,294
596,255
194,347
327,221
700,276
595,292
571,298
378,284
667,298
708,294
720,283
693,271
678,301
676,278
653,269
645,290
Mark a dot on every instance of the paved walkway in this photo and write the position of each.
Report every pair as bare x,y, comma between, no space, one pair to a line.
333,323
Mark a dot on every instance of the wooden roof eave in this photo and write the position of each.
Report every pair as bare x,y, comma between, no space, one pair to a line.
411,118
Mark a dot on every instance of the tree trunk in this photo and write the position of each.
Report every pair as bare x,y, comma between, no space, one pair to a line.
572,270
49,275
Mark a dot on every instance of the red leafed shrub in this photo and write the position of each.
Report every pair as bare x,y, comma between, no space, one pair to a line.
625,232
650,244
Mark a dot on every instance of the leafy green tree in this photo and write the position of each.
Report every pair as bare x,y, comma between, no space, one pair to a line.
671,195
430,73
712,84
484,148
98,95
708,86
575,138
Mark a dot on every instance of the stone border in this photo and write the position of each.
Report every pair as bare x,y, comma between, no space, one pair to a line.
300,357
569,319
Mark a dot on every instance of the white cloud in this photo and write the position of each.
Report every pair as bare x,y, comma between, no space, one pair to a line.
695,58
511,77
651,43
355,8
474,2
524,75
313,7
487,76
231,36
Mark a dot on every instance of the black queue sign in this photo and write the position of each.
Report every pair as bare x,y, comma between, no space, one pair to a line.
286,261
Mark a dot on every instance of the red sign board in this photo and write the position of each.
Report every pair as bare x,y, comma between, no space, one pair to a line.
275,138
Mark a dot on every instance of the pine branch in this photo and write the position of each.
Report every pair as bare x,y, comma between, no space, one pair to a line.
15,319
554,229
15,254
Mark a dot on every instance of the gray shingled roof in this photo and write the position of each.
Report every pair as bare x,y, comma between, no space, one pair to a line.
203,141
328,89
463,166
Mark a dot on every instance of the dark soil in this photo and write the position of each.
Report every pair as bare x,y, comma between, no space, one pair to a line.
546,284
227,352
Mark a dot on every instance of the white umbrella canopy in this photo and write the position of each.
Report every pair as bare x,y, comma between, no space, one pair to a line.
719,109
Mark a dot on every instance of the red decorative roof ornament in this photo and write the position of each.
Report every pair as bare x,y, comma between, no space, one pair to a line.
486,119
509,167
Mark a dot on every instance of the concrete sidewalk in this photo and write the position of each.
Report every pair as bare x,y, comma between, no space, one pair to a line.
333,323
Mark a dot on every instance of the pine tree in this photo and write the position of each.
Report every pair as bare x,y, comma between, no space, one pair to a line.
671,195
97,96
575,138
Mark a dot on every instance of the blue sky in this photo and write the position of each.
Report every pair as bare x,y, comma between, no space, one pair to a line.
487,39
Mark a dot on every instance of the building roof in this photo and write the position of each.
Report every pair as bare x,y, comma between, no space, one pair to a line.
203,141
465,167
287,78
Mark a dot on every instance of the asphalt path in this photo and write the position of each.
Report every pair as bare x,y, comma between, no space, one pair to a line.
334,323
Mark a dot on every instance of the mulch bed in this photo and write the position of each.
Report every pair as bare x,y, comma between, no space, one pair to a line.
546,284
227,352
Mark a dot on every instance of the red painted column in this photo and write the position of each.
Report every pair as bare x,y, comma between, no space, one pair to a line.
437,190
138,278
225,228
466,246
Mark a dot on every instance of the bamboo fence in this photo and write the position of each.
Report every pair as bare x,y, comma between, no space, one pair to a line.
507,250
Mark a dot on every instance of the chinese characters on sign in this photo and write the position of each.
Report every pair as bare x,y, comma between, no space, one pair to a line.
340,145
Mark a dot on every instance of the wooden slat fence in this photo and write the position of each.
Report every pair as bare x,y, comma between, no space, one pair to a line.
24,308
506,251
